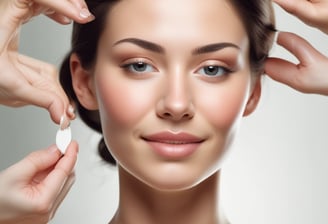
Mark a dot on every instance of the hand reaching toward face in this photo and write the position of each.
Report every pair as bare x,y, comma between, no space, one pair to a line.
32,189
24,80
313,13
309,75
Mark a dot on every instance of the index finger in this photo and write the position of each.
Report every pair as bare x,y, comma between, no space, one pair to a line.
56,179
75,9
299,47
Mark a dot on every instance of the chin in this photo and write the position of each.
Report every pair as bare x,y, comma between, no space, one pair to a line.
174,178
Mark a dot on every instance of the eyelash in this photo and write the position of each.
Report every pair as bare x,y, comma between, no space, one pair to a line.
131,67
223,71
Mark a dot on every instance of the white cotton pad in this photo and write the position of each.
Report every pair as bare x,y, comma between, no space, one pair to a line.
63,138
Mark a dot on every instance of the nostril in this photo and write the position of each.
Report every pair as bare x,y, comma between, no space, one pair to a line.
167,114
175,111
176,117
186,116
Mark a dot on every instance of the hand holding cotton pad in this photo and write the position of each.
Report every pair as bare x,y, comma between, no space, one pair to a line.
63,136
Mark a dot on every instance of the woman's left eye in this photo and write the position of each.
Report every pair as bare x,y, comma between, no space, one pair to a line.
139,67
213,71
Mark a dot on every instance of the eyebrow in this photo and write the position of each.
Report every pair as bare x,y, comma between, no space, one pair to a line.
213,47
143,43
159,49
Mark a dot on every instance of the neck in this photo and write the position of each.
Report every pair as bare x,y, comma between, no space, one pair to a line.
140,203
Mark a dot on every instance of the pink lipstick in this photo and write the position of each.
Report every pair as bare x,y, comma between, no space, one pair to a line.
173,146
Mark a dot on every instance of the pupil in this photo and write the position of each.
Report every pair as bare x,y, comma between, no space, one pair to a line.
139,66
211,70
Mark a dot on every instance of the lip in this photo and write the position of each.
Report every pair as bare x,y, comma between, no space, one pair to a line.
173,146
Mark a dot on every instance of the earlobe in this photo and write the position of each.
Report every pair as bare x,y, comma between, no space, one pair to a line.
254,98
83,84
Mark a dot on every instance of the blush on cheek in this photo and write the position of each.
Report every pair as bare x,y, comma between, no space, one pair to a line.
224,110
121,103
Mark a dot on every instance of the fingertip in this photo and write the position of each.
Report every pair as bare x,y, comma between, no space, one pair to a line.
54,150
56,109
281,36
269,66
85,15
59,114
74,145
72,149
71,112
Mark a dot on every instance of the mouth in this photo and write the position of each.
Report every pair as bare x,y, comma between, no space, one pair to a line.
173,146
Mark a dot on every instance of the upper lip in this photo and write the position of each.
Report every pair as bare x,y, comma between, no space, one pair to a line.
173,138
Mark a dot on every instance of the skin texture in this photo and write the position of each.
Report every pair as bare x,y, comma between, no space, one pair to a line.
172,95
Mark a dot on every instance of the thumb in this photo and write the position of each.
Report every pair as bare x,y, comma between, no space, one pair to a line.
34,163
299,47
299,76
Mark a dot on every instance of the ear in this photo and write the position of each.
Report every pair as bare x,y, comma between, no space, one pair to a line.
254,97
83,84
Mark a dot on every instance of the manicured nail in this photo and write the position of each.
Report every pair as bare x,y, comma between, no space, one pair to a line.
71,111
84,13
67,20
49,12
276,35
64,122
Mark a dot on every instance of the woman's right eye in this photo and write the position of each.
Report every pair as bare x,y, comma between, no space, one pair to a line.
139,67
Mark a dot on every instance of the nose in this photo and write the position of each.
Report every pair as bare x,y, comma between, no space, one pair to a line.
176,103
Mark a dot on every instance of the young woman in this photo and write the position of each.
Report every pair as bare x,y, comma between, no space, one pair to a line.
167,83
14,209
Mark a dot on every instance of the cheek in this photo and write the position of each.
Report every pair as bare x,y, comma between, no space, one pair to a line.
121,103
223,105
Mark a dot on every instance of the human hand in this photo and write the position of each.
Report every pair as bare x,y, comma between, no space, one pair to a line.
309,76
24,80
313,13
32,189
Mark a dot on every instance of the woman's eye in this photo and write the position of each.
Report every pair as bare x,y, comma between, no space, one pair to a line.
139,67
213,71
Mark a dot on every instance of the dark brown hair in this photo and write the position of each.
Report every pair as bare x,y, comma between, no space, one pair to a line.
257,16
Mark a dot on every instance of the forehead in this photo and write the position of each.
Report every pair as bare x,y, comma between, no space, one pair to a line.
178,20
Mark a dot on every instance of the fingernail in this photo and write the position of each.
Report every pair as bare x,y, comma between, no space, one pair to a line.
49,12
67,20
64,122
71,111
84,13
276,36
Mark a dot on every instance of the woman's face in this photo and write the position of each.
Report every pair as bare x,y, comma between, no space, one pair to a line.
171,81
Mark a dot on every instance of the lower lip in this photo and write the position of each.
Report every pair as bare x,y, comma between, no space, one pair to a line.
174,151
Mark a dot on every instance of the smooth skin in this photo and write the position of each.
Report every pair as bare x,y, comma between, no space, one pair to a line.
310,74
148,80
28,87
32,189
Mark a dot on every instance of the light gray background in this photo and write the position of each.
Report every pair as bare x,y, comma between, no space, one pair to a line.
277,172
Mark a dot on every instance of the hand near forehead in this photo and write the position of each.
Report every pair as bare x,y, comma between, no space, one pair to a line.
312,12
309,75
32,189
24,80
